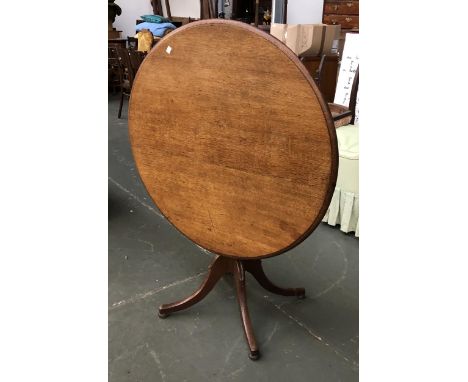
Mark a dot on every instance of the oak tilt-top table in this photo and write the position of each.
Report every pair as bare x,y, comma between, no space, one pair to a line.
236,146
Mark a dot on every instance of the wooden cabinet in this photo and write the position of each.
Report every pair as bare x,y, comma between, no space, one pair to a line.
341,7
344,13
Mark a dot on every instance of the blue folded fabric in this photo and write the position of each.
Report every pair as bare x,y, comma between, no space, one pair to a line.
157,29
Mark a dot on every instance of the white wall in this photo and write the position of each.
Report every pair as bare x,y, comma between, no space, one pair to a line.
133,9
305,11
183,8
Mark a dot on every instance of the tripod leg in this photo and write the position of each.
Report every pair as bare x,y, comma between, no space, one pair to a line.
239,279
217,269
256,269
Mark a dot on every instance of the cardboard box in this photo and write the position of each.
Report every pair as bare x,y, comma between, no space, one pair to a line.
307,39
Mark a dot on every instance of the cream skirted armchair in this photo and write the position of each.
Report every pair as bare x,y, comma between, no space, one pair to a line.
344,206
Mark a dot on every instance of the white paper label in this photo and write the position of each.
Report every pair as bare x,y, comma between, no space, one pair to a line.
348,66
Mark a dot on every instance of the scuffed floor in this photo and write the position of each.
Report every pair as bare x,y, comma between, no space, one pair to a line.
150,263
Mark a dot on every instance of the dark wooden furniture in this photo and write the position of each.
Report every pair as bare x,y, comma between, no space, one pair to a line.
126,76
250,11
112,45
122,42
324,70
135,58
241,157
129,61
157,7
168,9
179,21
114,73
343,115
342,12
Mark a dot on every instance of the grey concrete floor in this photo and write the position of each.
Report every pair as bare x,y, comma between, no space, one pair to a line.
150,263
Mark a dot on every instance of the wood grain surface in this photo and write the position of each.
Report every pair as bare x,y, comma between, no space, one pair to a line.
232,139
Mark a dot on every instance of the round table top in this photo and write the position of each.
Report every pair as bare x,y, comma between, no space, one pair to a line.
232,139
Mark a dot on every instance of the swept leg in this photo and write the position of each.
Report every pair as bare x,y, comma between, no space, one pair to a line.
256,269
217,269
239,279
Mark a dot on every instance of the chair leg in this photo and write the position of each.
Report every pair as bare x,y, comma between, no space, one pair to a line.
121,104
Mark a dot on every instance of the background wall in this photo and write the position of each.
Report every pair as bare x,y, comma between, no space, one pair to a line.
183,8
133,9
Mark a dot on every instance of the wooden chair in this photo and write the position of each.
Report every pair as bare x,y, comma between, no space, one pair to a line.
136,58
127,75
129,63
343,115
319,73
113,69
